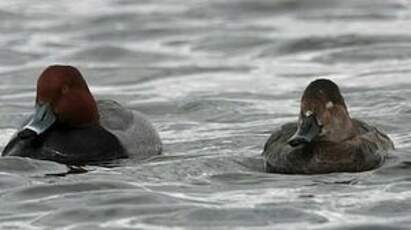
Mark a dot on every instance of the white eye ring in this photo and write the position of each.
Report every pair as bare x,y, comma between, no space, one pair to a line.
329,105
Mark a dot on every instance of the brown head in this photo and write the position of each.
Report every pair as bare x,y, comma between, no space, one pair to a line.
63,93
323,115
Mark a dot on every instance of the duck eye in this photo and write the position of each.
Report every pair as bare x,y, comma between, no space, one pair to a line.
65,89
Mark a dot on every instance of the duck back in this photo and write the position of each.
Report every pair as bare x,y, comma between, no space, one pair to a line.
133,129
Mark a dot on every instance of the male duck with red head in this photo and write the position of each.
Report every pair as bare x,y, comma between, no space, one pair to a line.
70,127
325,139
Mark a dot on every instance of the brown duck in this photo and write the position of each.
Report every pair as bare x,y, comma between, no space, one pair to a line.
325,139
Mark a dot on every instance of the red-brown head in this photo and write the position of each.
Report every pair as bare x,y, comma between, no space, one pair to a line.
323,114
62,92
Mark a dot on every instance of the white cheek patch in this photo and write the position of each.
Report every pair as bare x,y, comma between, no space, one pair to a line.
308,113
329,105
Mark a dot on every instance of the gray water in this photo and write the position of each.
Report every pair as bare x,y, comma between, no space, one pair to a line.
215,77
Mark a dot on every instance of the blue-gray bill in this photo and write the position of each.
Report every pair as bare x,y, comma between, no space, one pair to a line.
306,132
42,119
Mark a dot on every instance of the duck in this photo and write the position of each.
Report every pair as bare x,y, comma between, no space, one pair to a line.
325,139
69,126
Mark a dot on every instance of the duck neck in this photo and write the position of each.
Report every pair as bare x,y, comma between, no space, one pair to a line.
340,129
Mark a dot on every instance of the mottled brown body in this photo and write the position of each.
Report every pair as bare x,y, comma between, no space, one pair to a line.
337,143
365,151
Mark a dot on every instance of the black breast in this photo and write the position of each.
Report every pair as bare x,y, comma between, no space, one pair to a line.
77,146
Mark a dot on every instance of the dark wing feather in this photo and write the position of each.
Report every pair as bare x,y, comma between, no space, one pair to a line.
278,155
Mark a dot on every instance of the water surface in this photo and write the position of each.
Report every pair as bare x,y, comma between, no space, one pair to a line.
215,77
